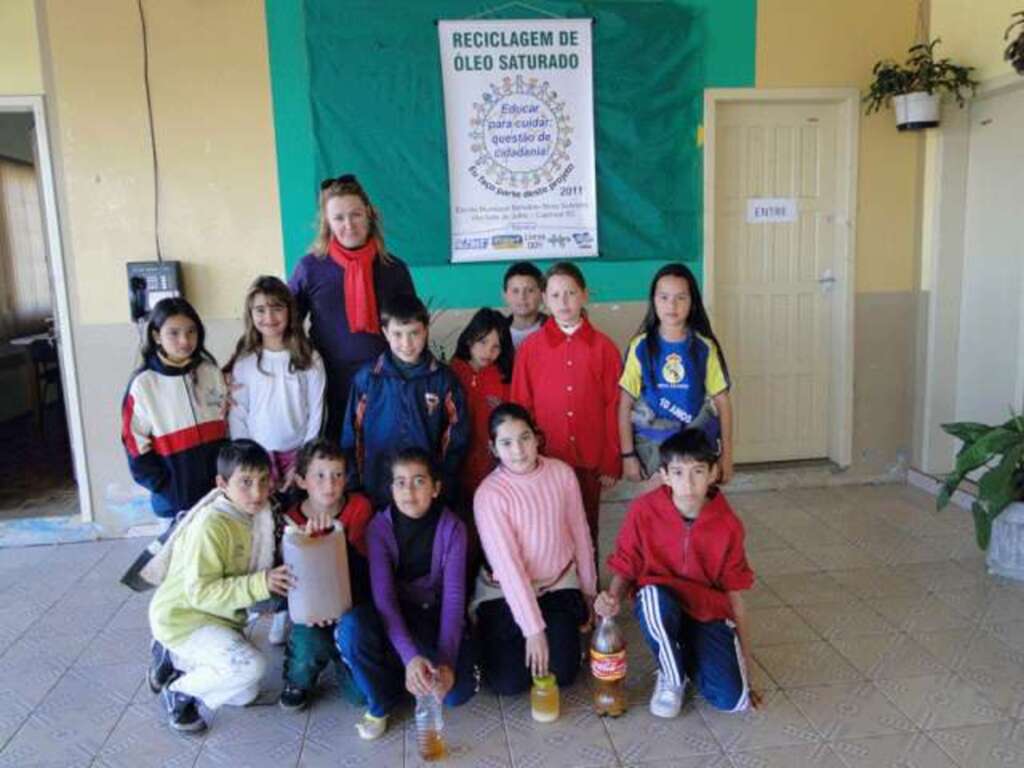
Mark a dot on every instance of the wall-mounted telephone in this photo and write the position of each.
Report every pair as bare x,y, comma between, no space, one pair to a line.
150,281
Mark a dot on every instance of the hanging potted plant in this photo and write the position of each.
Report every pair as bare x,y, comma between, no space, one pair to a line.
915,88
1015,49
998,509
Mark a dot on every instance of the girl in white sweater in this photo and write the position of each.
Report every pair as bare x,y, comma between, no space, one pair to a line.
277,379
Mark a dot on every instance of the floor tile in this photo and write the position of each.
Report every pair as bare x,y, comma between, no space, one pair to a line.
810,756
797,664
888,656
941,701
912,750
781,561
849,711
843,557
143,738
581,741
848,618
923,614
640,737
871,583
720,760
996,745
801,589
771,626
256,753
46,741
776,723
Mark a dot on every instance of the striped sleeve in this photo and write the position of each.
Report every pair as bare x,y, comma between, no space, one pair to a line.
715,382
632,380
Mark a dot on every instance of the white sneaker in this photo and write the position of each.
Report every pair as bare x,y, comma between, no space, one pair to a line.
667,699
278,629
370,727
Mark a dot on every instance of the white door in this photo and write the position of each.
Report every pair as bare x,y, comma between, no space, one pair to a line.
775,282
990,358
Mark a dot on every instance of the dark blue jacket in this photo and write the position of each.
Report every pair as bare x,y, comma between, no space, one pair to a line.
389,410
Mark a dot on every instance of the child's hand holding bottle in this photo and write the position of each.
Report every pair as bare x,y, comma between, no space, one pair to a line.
280,579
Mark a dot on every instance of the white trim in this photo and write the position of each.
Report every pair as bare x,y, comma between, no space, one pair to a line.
936,389
840,439
61,299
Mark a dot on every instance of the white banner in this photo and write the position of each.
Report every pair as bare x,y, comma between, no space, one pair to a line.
519,113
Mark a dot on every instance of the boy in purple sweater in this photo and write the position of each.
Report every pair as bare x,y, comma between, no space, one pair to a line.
413,638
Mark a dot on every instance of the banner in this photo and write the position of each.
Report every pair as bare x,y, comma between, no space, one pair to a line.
519,114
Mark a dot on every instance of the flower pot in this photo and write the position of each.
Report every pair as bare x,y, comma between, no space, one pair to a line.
1006,549
915,111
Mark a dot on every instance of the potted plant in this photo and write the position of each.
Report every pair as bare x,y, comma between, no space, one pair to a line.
997,452
915,88
1015,49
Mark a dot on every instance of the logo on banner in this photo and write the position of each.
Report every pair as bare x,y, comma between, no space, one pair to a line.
470,243
507,242
583,239
519,135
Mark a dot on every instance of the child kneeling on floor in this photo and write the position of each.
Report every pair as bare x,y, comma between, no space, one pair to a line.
412,639
216,564
320,472
681,549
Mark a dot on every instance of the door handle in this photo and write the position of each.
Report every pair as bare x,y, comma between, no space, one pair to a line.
827,278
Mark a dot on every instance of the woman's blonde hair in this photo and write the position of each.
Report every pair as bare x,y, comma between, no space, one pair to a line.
343,185
295,340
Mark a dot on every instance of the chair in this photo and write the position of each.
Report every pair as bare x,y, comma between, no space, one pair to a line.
47,374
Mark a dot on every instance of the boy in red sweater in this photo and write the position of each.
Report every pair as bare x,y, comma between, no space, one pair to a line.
567,376
680,549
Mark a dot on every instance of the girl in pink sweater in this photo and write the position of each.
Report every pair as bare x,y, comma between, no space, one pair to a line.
533,594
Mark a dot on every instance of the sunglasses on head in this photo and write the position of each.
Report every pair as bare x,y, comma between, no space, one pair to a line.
345,178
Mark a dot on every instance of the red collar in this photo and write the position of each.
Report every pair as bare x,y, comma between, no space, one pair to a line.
555,335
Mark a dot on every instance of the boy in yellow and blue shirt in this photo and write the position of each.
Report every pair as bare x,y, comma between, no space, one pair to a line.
216,564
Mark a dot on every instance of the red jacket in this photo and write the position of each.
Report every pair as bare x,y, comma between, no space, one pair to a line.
484,392
355,517
570,383
701,562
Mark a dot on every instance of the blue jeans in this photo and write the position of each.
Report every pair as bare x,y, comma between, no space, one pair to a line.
706,652
378,670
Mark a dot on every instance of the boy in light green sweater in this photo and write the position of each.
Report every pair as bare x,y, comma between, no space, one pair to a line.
216,564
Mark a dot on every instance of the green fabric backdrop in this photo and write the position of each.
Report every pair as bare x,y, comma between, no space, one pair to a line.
357,88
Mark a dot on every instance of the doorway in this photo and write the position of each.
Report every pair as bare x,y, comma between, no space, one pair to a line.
42,470
780,180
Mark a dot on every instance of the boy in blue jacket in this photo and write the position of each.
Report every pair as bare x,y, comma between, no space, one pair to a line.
406,398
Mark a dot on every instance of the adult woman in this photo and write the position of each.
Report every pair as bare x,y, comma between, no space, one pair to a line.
341,284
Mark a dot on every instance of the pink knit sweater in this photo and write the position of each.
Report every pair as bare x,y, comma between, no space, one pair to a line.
531,527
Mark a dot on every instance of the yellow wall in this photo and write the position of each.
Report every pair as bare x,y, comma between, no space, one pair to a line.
20,73
209,82
803,43
972,32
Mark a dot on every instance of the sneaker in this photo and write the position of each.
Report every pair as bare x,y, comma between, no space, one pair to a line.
182,712
667,699
370,727
293,698
161,668
278,629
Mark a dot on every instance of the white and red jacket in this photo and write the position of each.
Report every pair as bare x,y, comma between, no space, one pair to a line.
172,426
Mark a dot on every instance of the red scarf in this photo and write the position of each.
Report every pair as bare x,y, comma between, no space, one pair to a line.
360,299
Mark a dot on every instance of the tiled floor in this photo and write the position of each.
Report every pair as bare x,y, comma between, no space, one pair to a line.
879,641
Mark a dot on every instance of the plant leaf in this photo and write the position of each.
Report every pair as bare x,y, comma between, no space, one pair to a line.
998,486
982,526
967,431
983,450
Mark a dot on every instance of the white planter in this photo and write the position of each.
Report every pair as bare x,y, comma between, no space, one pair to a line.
1006,549
915,111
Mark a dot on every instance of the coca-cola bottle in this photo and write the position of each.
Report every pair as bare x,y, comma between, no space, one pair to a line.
608,665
